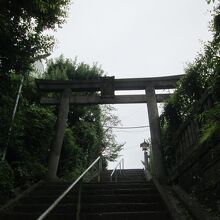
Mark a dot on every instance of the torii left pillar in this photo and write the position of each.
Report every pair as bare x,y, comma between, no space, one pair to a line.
59,135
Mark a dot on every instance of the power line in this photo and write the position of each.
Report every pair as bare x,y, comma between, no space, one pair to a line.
135,127
129,131
132,114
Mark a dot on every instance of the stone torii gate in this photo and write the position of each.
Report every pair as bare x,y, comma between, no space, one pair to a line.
107,86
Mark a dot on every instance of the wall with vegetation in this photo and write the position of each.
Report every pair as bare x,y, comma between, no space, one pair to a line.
190,124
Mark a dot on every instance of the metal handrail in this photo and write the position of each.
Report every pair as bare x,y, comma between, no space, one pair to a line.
55,203
121,164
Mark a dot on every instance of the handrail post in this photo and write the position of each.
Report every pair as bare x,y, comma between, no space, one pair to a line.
116,176
100,169
78,208
121,166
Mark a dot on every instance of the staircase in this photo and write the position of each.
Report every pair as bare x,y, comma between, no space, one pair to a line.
130,198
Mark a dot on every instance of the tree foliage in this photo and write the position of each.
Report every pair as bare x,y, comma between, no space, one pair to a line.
22,31
23,41
200,76
33,130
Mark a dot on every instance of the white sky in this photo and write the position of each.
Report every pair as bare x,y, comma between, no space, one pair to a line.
134,38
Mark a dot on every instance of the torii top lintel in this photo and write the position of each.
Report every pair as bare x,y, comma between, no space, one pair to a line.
107,86
165,82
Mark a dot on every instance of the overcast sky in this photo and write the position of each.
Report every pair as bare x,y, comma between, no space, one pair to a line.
134,38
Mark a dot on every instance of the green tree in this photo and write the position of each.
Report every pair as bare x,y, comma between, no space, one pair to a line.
22,31
33,129
200,75
26,159
86,136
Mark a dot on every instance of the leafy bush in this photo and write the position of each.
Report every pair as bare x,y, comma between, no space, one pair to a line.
28,172
6,181
210,123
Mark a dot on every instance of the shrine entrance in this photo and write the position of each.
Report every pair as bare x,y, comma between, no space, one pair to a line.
106,86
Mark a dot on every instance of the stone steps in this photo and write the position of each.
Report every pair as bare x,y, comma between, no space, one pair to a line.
130,198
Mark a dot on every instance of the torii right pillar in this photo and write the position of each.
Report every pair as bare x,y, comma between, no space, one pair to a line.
158,167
